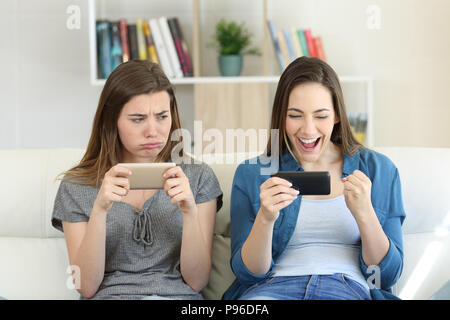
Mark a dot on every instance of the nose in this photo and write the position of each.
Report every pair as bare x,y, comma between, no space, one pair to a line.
308,127
150,128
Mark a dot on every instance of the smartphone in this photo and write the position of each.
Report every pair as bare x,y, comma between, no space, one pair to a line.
147,175
309,183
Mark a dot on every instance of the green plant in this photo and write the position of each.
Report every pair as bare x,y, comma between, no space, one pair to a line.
233,38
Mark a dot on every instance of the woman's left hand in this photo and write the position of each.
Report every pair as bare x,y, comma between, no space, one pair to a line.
357,192
177,187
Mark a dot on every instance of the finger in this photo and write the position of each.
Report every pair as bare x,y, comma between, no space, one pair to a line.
179,197
281,205
174,172
123,182
120,191
172,182
361,176
277,199
120,171
277,189
354,180
349,186
174,191
275,181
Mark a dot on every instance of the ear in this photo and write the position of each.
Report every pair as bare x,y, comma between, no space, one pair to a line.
336,120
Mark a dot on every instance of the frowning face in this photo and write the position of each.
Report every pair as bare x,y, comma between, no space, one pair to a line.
144,126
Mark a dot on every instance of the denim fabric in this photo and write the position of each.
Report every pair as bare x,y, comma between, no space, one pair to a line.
315,287
386,197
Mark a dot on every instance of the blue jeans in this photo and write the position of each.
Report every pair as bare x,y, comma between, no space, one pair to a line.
316,287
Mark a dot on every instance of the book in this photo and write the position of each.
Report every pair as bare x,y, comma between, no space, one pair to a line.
151,49
142,47
132,38
170,47
358,125
178,47
310,43
104,48
184,46
303,44
284,49
290,44
319,48
161,49
116,46
276,45
297,46
124,40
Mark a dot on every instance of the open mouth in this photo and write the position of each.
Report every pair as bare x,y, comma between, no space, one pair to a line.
308,145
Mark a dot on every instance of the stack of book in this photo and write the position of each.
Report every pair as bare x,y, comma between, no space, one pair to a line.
158,40
293,43
358,123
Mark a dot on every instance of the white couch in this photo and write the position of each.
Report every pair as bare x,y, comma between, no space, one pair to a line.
34,258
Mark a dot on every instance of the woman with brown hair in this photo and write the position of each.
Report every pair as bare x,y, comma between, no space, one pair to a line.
133,244
346,245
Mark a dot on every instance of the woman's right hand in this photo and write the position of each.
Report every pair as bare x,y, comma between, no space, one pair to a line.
115,186
275,194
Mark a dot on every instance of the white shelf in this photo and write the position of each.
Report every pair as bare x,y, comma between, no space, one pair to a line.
365,80
241,79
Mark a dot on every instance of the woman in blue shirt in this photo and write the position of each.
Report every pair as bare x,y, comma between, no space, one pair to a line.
347,245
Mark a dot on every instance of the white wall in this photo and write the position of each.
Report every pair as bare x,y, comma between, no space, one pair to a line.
46,99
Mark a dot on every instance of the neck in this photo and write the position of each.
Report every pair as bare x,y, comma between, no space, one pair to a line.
331,156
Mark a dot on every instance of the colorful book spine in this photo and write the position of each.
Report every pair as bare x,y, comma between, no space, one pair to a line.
124,40
276,45
132,37
116,46
104,48
319,48
168,41
284,49
161,49
297,46
185,48
177,42
310,42
290,44
150,43
142,47
303,44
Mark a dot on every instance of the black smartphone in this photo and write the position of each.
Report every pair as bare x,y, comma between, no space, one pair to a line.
309,183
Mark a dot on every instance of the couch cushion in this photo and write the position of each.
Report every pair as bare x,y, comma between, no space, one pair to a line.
34,268
221,275
424,174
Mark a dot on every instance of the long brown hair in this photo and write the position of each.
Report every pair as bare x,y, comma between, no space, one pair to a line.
104,149
305,70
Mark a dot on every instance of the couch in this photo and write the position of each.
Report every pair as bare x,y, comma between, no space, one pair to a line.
34,260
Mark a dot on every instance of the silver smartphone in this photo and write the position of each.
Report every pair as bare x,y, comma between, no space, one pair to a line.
147,175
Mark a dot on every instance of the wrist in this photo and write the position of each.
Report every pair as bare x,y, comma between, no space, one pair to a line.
98,208
366,219
190,214
263,220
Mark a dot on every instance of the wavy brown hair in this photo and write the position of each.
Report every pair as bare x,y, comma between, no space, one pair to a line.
104,149
307,70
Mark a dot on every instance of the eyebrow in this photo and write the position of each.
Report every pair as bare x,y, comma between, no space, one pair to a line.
317,111
143,115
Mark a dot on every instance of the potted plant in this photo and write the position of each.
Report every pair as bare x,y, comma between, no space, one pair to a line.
232,41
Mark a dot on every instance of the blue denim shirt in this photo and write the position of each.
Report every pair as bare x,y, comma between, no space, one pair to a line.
386,200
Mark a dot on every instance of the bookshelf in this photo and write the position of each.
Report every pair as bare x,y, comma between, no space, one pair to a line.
218,100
